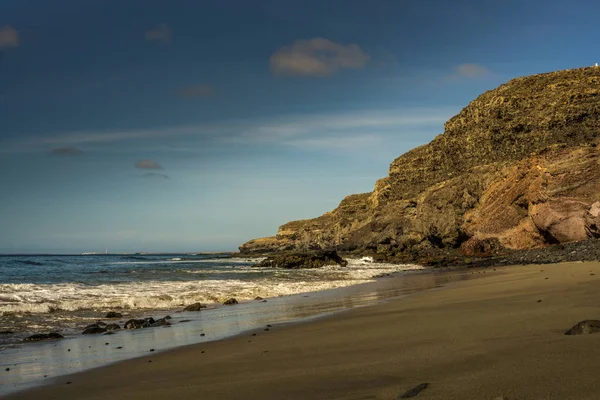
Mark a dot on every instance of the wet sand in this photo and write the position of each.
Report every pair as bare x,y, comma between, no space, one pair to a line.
486,338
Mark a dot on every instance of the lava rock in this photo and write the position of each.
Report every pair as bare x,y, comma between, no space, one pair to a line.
137,324
303,260
112,327
194,307
585,327
91,330
230,302
43,336
113,314
414,391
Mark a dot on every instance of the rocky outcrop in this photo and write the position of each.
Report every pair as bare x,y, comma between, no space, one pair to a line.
194,307
303,260
517,168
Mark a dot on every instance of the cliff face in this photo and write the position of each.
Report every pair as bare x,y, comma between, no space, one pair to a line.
517,168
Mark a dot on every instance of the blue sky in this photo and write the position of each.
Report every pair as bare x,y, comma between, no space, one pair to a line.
195,126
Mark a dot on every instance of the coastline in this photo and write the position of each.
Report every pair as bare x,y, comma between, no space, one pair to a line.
485,338
33,364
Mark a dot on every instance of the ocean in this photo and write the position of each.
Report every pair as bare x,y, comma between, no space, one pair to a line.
64,293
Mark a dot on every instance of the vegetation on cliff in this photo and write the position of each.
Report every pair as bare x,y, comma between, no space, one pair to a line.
517,168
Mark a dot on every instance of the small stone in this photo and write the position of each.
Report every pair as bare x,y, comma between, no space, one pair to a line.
113,314
258,298
267,329
7,369
151,349
106,344
539,301
546,277
230,302
254,334
68,383
149,361
202,334
268,326
264,301
414,391
120,347
68,349
202,352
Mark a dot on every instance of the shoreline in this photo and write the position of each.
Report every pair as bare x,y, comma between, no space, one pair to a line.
482,338
82,353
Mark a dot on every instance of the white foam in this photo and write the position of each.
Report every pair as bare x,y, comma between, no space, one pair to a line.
41,298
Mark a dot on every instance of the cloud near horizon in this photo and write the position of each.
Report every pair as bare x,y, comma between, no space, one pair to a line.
148,164
162,34
317,57
196,91
66,151
9,37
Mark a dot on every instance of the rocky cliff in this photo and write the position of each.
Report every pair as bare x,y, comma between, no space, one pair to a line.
517,168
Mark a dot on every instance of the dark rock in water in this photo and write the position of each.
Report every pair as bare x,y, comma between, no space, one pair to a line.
230,302
43,336
194,307
585,327
184,320
414,391
110,333
91,330
150,320
161,322
264,301
6,333
101,324
303,260
113,314
112,327
136,324
258,298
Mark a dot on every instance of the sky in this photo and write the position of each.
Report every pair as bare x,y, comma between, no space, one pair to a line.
184,126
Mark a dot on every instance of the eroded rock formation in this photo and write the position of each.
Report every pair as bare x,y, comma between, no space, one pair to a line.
517,168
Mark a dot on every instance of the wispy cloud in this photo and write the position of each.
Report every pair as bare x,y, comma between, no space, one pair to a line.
317,57
66,151
9,37
148,164
201,90
470,71
155,176
329,130
161,34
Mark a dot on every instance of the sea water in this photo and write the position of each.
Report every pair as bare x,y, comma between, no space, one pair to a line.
64,293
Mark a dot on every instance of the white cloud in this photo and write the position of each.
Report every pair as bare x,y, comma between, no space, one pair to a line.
471,71
317,57
9,37
161,34
147,164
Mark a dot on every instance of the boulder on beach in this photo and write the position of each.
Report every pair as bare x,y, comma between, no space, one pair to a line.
585,327
230,302
113,314
161,322
43,336
112,327
303,260
137,324
93,329
194,307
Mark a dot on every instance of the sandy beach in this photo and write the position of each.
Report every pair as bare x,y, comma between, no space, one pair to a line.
488,338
